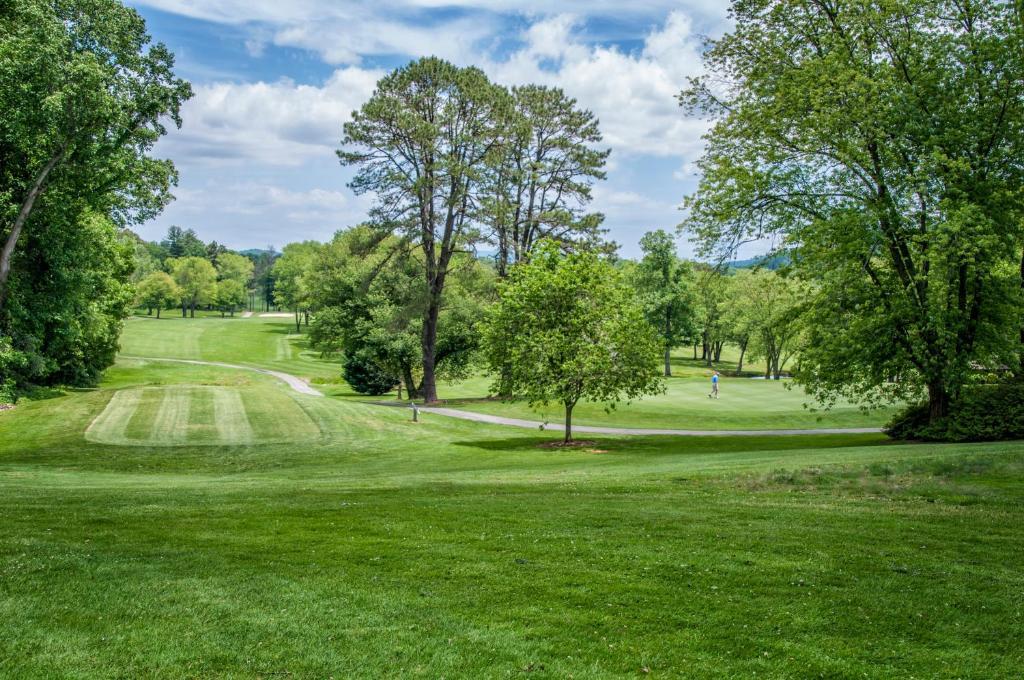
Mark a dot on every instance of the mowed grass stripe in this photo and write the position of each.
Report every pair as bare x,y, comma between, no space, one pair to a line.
276,417
202,423
229,415
110,425
170,426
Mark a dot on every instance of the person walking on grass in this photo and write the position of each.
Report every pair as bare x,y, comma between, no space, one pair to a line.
714,386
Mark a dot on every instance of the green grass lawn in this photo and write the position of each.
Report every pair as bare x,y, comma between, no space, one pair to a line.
744,404
334,538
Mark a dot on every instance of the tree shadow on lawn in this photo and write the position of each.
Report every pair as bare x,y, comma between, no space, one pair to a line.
673,446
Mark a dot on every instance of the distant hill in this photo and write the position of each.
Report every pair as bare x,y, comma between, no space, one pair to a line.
257,252
765,262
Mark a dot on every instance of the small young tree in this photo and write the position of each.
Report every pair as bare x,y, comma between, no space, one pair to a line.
158,291
568,328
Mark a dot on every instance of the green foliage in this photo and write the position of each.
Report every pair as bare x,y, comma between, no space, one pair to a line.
230,295
365,375
421,145
367,289
67,302
85,97
158,291
183,243
539,182
879,143
567,328
197,280
980,413
290,270
234,267
665,287
764,310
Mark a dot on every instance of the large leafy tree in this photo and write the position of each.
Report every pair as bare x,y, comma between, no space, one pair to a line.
421,144
763,311
84,99
539,183
69,296
158,291
197,282
664,283
369,297
290,270
567,327
884,143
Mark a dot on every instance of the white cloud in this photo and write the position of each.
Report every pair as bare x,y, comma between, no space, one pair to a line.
633,94
280,123
247,141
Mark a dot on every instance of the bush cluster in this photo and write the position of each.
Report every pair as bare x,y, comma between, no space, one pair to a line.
365,375
980,413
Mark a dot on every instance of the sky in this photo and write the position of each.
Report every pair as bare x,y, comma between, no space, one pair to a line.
275,81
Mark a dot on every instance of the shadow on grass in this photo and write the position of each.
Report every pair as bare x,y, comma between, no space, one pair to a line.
669,445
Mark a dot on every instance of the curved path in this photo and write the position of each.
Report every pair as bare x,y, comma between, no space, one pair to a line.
303,387
557,427
297,384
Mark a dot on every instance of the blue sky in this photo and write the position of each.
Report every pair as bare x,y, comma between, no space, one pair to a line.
276,80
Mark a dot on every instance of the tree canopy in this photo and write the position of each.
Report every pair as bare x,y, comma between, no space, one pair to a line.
567,327
420,144
883,142
85,97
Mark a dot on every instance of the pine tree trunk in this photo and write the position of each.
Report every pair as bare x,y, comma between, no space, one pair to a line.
429,344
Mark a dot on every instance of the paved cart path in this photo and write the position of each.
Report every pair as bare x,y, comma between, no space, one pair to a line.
300,385
297,384
558,427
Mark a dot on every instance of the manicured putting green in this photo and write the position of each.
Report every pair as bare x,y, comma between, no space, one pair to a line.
188,415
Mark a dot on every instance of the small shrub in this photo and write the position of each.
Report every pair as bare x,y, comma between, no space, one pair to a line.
365,375
7,392
983,413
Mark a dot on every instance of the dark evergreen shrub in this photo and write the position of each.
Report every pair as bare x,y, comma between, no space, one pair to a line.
981,413
365,375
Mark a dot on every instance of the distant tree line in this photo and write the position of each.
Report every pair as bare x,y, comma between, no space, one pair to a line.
182,270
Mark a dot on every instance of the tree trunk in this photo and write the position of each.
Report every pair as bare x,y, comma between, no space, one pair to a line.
184,310
306,315
718,351
668,361
743,350
429,344
158,312
938,402
410,384
695,351
298,322
1021,372
568,422
192,311
7,253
